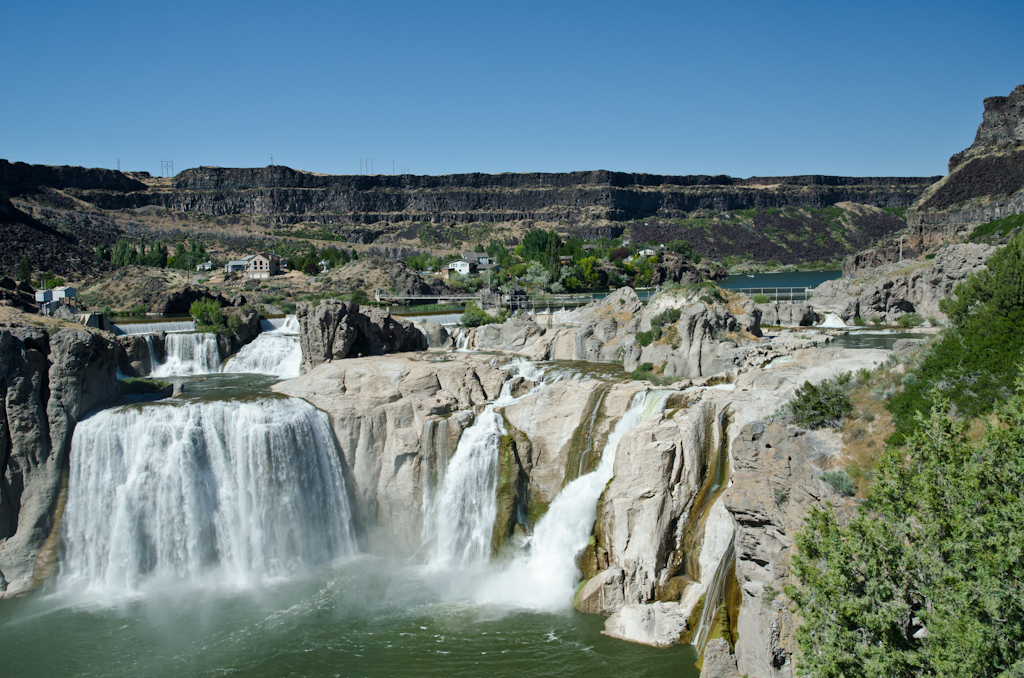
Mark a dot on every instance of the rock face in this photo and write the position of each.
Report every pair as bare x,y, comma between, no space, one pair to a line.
985,181
334,330
380,409
698,344
408,282
50,383
917,291
774,484
718,661
248,329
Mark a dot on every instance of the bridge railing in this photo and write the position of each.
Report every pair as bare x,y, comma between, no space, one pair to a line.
778,294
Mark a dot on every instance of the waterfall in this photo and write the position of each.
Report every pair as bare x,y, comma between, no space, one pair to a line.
288,324
832,320
188,353
462,341
276,352
545,577
153,328
242,489
460,520
714,597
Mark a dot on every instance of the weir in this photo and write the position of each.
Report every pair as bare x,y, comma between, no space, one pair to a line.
153,328
242,490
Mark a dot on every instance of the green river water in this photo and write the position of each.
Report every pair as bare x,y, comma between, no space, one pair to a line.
363,617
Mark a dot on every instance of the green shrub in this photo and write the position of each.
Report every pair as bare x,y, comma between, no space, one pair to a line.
910,320
760,298
840,482
234,322
475,316
645,338
973,363
643,371
820,406
858,321
207,314
139,309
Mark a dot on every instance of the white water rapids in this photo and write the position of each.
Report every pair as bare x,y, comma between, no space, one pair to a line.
236,490
187,354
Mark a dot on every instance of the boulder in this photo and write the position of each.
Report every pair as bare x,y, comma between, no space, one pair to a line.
435,334
718,662
658,624
335,330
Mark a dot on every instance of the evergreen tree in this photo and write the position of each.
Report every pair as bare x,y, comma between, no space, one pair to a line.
25,270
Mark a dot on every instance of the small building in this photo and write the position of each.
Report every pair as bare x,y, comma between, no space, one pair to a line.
239,265
477,258
646,253
263,266
458,266
565,259
205,266
49,300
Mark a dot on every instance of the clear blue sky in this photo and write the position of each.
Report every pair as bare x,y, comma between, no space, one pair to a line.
739,88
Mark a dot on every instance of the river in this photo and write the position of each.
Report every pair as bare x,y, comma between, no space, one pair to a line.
209,535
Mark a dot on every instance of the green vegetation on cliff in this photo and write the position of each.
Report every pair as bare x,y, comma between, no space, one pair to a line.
974,361
928,578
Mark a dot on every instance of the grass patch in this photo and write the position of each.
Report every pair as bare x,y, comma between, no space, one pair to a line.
142,386
1003,226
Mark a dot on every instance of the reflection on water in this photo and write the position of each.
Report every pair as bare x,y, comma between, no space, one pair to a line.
876,338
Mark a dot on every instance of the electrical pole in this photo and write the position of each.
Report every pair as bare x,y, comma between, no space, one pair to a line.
119,164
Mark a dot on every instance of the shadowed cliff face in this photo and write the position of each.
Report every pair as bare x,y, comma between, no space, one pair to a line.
985,181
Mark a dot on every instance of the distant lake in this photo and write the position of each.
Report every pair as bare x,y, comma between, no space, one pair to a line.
794,279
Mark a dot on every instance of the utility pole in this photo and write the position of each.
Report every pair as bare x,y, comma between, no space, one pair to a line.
271,161
119,164
901,248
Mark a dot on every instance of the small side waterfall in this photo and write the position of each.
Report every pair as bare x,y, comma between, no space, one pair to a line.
189,353
276,352
714,598
460,520
240,490
288,324
545,577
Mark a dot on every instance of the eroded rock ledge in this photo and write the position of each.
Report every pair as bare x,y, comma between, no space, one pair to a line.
50,382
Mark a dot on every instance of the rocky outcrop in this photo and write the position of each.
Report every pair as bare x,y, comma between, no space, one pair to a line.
333,330
246,329
380,409
179,301
776,480
138,354
718,662
985,181
49,384
918,290
408,282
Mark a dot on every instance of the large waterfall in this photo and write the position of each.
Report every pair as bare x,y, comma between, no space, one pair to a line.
544,577
189,353
240,490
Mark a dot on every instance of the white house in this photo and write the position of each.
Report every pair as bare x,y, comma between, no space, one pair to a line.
205,266
458,266
646,253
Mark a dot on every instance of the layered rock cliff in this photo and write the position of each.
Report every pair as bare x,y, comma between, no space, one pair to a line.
985,181
890,292
49,384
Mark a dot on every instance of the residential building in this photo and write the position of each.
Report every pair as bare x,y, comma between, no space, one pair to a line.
458,266
239,265
646,253
205,266
263,266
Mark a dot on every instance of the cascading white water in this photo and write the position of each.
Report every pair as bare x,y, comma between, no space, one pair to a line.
458,523
238,490
545,577
277,352
188,353
288,324
832,320
153,328
462,341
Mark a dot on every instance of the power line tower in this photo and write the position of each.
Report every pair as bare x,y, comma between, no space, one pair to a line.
167,168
